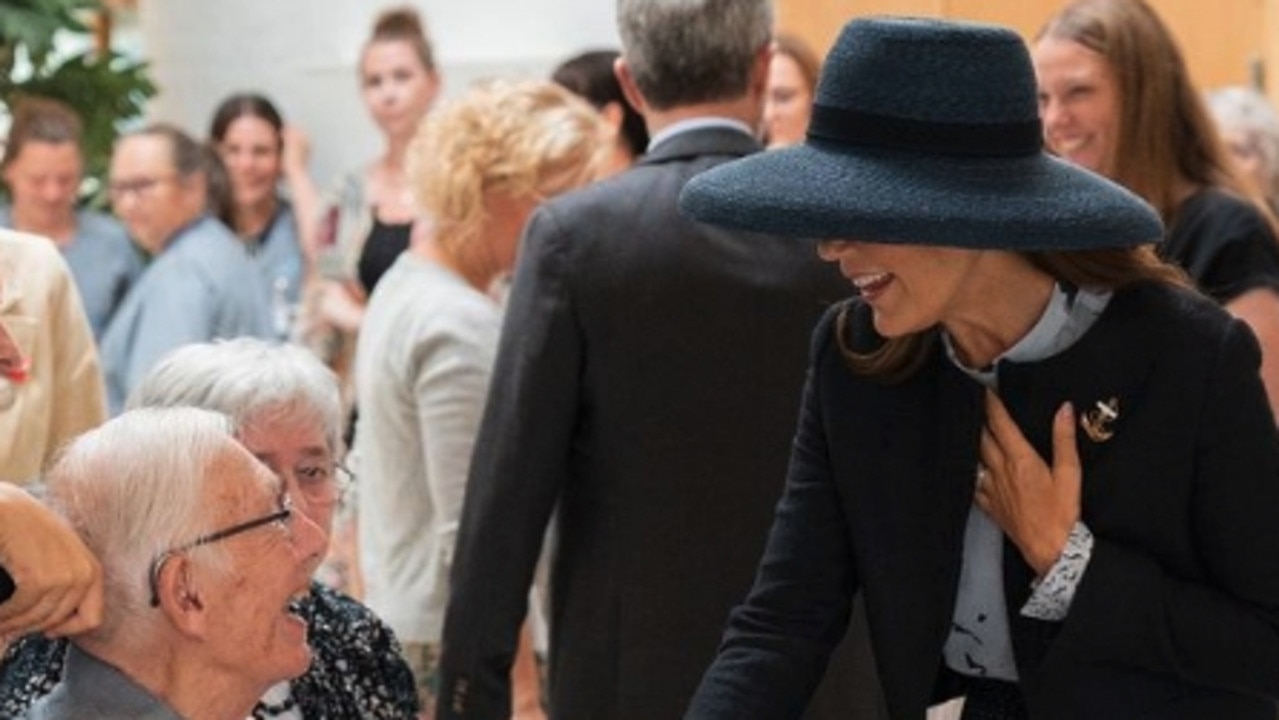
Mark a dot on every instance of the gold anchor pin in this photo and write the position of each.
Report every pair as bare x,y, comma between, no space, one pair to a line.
1097,423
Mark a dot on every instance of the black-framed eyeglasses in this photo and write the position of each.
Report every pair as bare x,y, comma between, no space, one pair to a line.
153,573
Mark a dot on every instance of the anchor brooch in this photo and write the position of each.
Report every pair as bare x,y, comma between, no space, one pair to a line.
1097,423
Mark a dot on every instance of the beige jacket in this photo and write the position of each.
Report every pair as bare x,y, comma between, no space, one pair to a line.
63,394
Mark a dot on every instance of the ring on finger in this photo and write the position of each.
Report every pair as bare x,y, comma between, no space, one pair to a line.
983,476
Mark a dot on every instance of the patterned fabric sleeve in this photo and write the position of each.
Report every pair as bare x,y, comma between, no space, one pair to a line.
30,669
1054,592
357,670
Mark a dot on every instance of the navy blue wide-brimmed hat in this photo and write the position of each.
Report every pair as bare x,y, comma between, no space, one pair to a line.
924,132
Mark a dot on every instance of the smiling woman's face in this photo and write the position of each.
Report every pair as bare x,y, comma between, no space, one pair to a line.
1079,103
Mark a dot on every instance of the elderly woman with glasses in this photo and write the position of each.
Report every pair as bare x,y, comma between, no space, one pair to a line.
287,411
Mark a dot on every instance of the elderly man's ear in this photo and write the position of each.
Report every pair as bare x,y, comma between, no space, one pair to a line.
180,598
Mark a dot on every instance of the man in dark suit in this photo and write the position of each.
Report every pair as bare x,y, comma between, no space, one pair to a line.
645,390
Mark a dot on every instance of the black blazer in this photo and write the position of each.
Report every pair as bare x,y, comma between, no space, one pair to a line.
647,380
1177,615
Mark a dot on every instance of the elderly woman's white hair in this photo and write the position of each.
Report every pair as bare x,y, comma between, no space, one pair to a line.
251,380
1249,114
134,488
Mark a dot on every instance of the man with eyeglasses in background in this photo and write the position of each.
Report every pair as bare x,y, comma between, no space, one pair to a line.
204,560
201,283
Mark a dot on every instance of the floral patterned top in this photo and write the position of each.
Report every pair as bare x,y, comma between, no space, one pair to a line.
357,670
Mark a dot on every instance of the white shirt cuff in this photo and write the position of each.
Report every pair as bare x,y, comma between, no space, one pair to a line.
1054,592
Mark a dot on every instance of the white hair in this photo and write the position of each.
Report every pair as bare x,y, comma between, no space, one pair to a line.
250,380
1248,112
136,487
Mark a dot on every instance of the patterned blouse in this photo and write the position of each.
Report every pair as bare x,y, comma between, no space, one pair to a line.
356,671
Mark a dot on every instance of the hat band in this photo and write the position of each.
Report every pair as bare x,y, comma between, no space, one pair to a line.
851,127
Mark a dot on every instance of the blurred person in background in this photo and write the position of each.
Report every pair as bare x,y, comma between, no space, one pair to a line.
590,76
792,81
367,223
1116,98
51,385
478,167
1249,126
201,283
286,409
275,223
43,166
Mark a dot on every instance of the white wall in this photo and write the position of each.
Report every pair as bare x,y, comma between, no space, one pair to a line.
303,54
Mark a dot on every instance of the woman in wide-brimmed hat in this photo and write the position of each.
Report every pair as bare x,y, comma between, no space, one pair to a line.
1048,464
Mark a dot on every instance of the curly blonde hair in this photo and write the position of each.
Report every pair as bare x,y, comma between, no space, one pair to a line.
519,139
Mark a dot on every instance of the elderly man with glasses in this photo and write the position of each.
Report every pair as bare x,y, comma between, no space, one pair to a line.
204,562
287,412
201,283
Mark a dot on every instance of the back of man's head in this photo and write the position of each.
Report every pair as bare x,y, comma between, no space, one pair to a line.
686,52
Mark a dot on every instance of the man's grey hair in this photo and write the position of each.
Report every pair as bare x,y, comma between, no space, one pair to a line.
251,380
134,488
686,52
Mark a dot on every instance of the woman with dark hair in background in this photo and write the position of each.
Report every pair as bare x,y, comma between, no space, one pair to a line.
590,76
1116,98
257,150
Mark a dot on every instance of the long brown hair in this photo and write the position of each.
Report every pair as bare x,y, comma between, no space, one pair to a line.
1166,136
1107,269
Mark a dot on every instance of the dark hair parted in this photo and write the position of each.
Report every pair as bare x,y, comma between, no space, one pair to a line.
404,24
244,105
590,75
1166,136
896,359
41,120
686,52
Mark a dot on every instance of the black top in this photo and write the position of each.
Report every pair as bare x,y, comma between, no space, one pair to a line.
385,243
1173,618
1224,243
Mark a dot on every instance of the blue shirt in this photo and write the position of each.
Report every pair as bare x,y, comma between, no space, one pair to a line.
980,643
103,261
278,257
202,287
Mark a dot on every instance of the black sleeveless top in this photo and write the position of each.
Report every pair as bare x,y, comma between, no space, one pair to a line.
385,243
